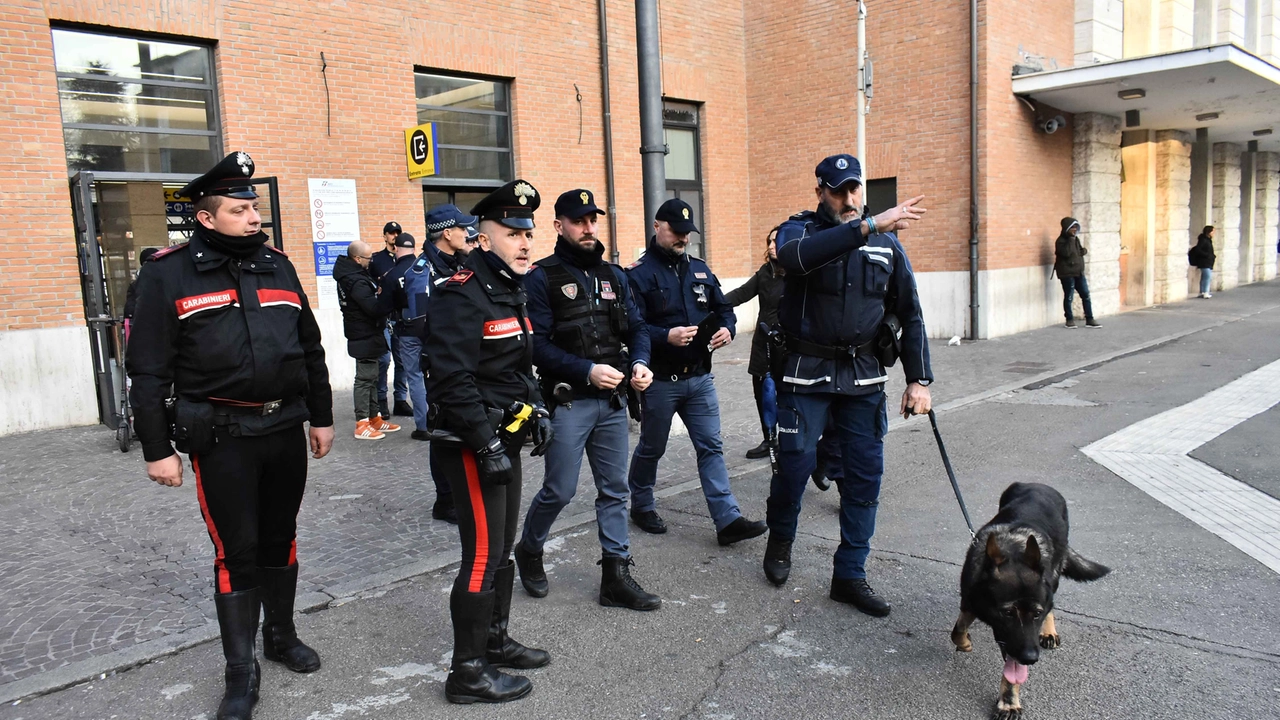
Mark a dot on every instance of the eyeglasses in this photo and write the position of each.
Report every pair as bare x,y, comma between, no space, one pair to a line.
365,257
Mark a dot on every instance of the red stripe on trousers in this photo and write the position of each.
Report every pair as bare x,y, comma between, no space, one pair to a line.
293,551
482,522
220,556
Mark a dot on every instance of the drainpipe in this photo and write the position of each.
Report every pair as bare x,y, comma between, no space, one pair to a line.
608,132
973,170
653,147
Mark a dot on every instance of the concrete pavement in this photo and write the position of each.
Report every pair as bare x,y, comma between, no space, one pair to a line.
1183,625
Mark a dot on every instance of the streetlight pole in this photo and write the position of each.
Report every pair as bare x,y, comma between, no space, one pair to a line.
864,86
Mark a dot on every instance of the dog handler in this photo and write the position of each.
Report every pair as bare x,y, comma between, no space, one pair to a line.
844,275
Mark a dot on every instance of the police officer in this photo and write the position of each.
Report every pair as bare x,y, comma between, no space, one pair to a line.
380,263
845,274
584,324
479,351
407,346
224,321
687,316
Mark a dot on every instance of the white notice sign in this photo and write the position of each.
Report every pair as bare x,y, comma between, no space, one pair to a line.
335,222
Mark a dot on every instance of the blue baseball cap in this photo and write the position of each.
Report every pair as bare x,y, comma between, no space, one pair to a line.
679,215
443,217
838,170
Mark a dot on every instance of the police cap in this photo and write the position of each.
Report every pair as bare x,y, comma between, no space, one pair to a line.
229,178
679,215
576,203
512,205
391,228
443,217
405,240
838,170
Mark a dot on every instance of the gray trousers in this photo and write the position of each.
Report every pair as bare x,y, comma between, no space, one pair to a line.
600,430
365,390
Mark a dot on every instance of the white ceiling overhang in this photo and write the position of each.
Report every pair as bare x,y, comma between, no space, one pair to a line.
1243,89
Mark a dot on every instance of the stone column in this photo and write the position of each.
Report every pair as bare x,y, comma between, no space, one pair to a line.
1269,31
1266,226
1099,31
1226,214
1231,22
1173,214
1095,202
1248,216
1177,25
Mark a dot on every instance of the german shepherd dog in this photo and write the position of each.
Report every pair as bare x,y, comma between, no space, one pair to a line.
1010,575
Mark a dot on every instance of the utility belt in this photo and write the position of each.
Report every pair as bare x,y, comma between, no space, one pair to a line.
830,352
509,423
411,327
885,347
193,424
562,394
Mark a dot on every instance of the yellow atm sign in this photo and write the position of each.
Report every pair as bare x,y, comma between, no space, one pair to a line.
420,150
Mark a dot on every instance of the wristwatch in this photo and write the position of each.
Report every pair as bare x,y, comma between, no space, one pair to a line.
923,382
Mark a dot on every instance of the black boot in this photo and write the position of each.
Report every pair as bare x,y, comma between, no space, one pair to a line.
238,621
619,589
777,560
402,408
501,650
532,575
444,509
280,641
472,678
858,593
759,451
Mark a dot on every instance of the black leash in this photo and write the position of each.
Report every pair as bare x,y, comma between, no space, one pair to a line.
946,462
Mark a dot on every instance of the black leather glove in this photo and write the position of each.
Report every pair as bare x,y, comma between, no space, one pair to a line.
540,430
494,465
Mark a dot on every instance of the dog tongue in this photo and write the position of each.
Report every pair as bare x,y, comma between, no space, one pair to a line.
1015,672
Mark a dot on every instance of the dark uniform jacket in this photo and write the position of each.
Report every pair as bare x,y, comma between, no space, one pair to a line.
767,285
673,291
363,318
392,300
478,348
212,326
380,262
838,287
596,287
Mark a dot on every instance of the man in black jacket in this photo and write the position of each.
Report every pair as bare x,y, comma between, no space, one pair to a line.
363,321
1069,265
227,362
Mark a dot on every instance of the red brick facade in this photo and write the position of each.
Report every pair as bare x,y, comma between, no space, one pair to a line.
775,80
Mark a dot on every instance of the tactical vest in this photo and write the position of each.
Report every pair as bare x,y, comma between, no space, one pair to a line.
589,322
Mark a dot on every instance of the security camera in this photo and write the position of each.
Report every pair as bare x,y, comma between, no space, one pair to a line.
1052,125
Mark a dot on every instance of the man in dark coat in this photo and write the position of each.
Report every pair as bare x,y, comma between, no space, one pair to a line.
363,321
1069,264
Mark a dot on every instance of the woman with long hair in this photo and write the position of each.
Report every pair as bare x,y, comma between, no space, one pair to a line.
766,285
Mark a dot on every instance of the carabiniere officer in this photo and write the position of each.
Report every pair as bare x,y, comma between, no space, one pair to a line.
224,321
479,353
845,276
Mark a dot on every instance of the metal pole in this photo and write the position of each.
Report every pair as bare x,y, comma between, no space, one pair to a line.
608,132
653,148
974,328
862,93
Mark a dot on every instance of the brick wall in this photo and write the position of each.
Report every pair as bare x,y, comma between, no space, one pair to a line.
272,102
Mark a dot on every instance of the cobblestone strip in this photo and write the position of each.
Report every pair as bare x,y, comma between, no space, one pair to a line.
1152,455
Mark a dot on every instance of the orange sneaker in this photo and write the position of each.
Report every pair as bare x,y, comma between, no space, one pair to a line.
382,425
366,431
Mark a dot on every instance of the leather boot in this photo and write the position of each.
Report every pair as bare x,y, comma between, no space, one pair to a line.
777,560
501,650
472,679
238,622
533,576
280,641
619,589
858,593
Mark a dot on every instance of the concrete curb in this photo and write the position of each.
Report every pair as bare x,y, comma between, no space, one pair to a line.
143,653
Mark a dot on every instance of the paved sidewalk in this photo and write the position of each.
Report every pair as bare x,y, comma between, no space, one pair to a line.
101,569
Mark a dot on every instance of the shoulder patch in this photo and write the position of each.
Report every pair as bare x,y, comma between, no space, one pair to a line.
275,249
803,215
167,251
634,265
460,277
